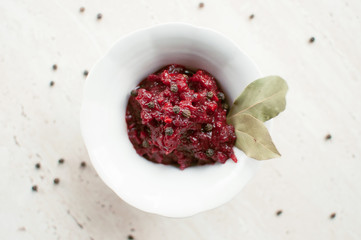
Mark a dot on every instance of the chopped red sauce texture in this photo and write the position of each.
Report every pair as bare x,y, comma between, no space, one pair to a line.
178,117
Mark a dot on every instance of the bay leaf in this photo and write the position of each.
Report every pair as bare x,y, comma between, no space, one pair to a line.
253,137
263,99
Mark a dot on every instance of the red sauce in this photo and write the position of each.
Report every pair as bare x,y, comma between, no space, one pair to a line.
178,117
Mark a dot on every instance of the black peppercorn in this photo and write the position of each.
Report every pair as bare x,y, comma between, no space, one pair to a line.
209,152
55,67
312,39
176,109
208,127
61,161
174,88
186,113
201,5
85,73
333,215
99,16
188,72
328,137
151,105
209,95
34,188
169,131
145,144
221,96
134,93
82,9
251,16
83,164
279,212
51,83
37,165
225,106
56,180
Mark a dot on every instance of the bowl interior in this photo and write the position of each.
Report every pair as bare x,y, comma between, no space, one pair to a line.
151,187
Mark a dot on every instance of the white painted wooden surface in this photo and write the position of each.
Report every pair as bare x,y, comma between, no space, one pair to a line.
313,179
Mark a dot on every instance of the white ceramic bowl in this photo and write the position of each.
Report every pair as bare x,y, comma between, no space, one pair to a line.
151,187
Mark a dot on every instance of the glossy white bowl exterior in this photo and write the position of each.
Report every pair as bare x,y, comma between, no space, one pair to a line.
155,188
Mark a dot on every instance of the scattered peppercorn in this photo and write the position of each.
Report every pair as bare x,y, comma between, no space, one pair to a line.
130,237
186,113
225,106
85,73
82,9
174,88
209,152
34,188
51,83
56,180
151,105
251,16
208,127
99,16
201,5
134,93
328,137
145,144
169,131
61,161
221,96
55,67
176,109
279,212
312,39
209,94
83,164
333,215
37,165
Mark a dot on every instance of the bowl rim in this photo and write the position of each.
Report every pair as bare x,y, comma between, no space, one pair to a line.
84,103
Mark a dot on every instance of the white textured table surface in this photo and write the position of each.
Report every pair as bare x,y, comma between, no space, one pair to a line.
39,123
